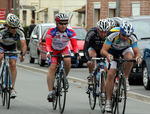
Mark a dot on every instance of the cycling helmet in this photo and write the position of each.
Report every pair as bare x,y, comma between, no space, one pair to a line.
103,25
12,20
111,22
61,17
126,28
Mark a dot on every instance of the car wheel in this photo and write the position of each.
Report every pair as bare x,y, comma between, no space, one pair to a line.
31,60
146,80
40,61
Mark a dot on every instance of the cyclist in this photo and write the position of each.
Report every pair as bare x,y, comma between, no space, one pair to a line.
9,35
111,22
57,42
93,43
121,41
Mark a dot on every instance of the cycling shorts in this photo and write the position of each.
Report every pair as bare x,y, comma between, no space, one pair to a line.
9,48
117,54
54,60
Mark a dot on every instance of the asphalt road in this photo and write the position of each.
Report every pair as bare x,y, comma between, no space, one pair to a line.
32,92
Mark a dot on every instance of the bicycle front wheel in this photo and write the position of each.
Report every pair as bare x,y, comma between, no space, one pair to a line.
62,91
102,92
55,90
92,95
7,93
2,88
121,96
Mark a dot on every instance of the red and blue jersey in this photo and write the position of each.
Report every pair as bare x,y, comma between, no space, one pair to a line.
56,40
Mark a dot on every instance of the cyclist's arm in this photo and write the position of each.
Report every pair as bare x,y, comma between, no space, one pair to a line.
137,55
24,46
104,52
48,42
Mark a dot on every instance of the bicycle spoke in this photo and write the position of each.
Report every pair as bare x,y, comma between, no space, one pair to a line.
55,99
7,93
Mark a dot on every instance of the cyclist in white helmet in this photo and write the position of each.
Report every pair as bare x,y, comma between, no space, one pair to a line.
121,42
93,43
10,34
111,22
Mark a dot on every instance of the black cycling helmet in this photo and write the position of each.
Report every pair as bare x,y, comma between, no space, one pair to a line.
61,17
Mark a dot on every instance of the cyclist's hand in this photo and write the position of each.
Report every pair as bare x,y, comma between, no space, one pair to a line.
138,60
21,58
49,54
77,55
110,57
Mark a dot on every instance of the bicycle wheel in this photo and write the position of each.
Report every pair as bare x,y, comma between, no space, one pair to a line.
55,90
62,91
92,96
2,88
102,92
7,93
121,96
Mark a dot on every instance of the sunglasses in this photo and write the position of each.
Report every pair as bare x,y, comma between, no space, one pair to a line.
125,35
13,27
63,23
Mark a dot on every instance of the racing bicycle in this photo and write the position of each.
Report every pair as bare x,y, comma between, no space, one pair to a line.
60,88
98,87
5,78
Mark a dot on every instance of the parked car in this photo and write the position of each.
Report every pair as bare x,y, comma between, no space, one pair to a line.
141,26
35,38
146,67
80,32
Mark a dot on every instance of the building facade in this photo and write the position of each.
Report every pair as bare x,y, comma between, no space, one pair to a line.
100,9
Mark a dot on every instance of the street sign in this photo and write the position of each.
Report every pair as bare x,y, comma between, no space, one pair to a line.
2,14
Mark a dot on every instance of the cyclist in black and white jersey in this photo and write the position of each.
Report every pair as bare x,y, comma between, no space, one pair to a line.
93,43
9,35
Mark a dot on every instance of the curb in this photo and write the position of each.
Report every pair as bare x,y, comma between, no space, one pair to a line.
130,94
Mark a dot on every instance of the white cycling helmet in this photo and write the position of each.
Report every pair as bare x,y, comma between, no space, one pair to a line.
103,25
61,17
12,20
126,28
111,22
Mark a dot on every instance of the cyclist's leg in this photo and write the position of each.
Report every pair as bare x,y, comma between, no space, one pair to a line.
1,55
128,54
92,53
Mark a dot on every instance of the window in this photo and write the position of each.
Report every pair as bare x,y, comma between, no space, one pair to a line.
96,16
135,9
112,9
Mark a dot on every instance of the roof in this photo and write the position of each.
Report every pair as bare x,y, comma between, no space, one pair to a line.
27,7
80,10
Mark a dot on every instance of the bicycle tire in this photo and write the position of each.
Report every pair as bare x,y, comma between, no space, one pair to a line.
121,98
102,82
62,91
92,96
55,89
2,87
7,93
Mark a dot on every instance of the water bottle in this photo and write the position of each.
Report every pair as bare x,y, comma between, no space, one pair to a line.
97,76
48,61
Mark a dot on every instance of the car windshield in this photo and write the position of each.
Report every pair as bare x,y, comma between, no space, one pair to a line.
44,28
141,28
80,32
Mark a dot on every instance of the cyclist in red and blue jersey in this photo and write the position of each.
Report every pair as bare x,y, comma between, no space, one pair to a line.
57,42
10,34
121,42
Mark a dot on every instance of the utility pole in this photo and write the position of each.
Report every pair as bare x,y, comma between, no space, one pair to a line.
118,8
15,6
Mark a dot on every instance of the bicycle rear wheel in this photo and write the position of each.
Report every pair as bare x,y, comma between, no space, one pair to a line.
2,88
62,91
7,93
121,96
101,86
92,96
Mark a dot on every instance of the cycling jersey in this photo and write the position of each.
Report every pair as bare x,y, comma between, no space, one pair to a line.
7,38
113,39
58,41
93,40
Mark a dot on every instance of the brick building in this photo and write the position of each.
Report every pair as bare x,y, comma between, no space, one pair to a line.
7,6
97,9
